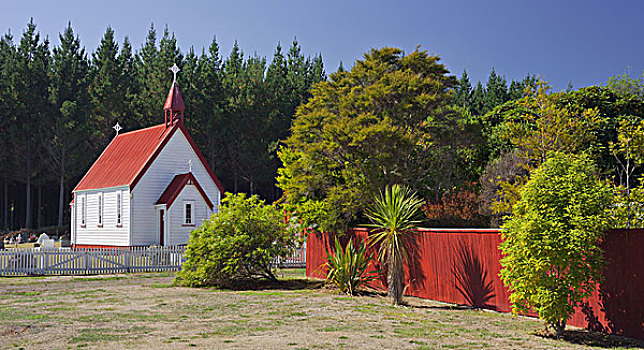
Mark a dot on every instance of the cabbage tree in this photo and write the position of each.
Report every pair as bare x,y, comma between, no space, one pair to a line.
394,215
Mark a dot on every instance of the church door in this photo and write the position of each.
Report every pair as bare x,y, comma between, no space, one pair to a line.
161,226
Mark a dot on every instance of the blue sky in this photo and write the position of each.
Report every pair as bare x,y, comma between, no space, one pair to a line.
584,42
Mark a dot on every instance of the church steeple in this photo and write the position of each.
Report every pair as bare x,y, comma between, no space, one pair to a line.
174,103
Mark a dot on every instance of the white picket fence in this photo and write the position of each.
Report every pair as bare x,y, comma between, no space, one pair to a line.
96,261
20,262
296,259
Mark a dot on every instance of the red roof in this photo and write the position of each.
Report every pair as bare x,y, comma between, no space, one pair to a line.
176,185
174,101
129,155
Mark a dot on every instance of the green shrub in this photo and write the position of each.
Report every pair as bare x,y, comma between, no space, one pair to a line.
551,244
348,267
239,243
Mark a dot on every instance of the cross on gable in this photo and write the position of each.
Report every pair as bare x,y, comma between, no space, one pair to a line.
118,128
175,70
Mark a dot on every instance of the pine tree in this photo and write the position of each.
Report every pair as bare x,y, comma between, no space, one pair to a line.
317,73
297,67
278,85
153,75
517,89
7,113
30,83
208,118
463,93
108,90
478,97
127,62
496,92
232,86
67,129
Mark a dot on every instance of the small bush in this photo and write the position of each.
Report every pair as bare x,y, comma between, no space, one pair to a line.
237,244
348,267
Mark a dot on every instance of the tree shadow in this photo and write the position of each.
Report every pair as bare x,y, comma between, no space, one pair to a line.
472,278
415,269
594,324
595,339
280,284
621,290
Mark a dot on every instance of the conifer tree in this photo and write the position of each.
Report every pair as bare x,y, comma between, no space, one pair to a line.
127,62
208,118
30,83
108,90
478,97
153,75
67,129
496,92
463,91
7,113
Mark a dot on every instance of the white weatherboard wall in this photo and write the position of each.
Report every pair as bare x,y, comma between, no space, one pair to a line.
171,161
109,233
178,233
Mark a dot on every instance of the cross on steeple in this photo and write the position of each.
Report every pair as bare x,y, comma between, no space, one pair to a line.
174,104
175,70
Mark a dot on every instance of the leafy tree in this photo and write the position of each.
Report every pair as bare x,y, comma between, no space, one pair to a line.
611,107
362,130
394,215
238,243
551,244
454,161
540,127
629,154
626,85
501,173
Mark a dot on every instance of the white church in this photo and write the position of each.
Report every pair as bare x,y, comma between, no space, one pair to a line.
149,186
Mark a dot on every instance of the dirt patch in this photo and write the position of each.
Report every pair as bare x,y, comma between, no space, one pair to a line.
145,311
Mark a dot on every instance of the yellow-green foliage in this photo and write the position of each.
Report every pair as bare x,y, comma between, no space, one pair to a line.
551,244
628,151
362,130
239,242
539,126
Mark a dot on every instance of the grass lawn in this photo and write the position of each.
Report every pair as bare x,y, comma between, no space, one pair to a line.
145,311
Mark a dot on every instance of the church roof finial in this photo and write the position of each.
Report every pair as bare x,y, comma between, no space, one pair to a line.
174,103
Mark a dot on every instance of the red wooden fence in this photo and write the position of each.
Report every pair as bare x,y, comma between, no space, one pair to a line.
461,266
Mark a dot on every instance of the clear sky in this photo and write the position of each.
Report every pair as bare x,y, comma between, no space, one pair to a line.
583,42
